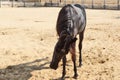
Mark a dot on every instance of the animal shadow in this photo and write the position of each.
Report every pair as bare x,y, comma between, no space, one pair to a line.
67,77
23,71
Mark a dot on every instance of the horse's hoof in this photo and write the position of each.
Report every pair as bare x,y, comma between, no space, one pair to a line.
75,76
62,78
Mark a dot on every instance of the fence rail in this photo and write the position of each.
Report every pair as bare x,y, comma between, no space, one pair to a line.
94,4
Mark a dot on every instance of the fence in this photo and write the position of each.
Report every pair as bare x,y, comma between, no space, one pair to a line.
94,4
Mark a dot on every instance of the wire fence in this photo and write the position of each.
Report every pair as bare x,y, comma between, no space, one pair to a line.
94,4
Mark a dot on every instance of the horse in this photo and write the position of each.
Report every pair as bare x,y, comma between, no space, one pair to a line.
70,23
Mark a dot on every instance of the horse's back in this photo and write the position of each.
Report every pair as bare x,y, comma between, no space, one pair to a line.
76,14
82,8
82,15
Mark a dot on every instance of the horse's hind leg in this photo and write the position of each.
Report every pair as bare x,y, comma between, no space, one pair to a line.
64,69
72,51
81,36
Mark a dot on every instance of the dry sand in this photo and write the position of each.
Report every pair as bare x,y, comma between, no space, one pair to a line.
28,36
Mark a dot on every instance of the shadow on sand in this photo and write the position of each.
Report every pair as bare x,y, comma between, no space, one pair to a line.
23,71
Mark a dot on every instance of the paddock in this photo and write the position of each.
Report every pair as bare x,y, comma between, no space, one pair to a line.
28,37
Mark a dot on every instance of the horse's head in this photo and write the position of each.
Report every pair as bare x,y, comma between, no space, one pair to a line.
61,49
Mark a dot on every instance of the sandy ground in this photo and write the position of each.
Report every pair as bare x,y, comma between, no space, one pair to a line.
28,36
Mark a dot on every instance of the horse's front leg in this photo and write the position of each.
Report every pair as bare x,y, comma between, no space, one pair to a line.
64,69
72,50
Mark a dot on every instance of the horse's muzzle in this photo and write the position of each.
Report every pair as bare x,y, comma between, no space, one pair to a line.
53,66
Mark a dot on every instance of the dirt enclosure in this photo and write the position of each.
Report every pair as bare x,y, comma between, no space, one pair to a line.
28,37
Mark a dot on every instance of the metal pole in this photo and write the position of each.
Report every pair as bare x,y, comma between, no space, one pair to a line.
92,4
40,2
0,3
58,2
104,4
51,2
65,2
34,3
24,2
118,4
12,3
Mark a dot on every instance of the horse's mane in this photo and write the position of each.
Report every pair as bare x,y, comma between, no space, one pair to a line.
65,21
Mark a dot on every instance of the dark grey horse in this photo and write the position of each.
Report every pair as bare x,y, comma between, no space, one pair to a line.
71,22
